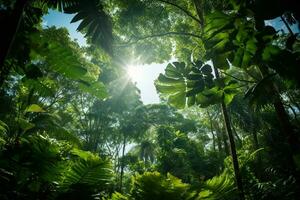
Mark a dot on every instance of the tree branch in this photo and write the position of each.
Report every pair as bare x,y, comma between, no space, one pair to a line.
138,38
182,9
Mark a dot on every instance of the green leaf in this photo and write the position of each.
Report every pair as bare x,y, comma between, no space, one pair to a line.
228,97
3,127
118,196
206,69
24,124
78,16
220,61
221,187
195,91
216,21
251,46
85,22
269,52
202,100
85,155
34,108
168,89
154,186
209,97
178,100
96,89
166,80
90,172
191,101
74,72
172,71
205,193
180,66
238,58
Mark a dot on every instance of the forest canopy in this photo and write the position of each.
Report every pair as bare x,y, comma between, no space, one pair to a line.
227,127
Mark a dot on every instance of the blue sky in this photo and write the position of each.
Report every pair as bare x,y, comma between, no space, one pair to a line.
279,25
147,73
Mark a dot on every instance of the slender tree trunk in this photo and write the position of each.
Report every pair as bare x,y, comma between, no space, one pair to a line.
212,131
286,128
219,137
225,142
214,140
9,34
233,152
234,156
236,135
283,118
219,142
224,139
200,12
122,163
259,157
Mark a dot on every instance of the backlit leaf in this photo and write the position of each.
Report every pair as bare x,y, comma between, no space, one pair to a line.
34,108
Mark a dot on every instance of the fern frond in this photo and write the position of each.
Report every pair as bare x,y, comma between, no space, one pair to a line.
220,187
91,172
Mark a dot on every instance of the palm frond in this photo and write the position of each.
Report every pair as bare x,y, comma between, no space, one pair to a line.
60,5
93,20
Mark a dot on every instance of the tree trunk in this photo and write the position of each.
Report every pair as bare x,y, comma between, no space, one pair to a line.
224,139
212,131
200,12
219,142
233,152
236,135
8,37
286,126
283,118
259,162
234,156
122,164
214,140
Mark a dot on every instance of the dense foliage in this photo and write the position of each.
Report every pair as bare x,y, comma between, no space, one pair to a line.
73,126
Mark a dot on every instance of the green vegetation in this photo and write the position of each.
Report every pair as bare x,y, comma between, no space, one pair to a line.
73,126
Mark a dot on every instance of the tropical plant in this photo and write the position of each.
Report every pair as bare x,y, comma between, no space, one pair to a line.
94,21
64,172
152,185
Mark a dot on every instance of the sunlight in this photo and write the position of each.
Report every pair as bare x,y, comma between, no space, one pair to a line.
135,72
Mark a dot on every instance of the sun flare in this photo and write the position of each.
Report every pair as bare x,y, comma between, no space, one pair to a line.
134,72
